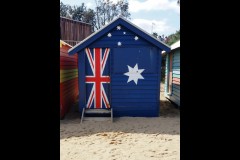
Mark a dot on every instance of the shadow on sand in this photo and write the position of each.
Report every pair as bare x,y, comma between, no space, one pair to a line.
167,123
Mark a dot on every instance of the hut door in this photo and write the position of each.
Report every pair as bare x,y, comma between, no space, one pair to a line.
97,78
170,73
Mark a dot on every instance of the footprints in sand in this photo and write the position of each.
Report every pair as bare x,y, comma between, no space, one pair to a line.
148,142
164,153
115,138
110,135
113,141
165,139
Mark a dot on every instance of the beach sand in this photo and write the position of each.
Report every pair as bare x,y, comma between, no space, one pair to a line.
128,138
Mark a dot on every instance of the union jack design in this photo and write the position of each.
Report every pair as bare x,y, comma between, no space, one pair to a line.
97,63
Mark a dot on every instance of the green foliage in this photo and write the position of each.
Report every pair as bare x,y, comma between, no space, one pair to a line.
89,17
155,34
64,10
172,38
77,12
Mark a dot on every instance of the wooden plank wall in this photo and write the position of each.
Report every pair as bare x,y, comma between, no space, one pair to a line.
175,94
129,99
68,79
73,31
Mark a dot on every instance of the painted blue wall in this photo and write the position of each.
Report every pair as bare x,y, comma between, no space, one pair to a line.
128,99
81,80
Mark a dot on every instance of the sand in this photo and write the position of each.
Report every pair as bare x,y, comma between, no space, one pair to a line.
128,138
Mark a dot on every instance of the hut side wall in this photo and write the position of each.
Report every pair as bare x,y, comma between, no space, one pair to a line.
175,88
68,80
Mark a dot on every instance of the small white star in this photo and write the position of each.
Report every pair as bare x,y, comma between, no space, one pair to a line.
124,32
119,43
134,74
136,38
109,35
118,27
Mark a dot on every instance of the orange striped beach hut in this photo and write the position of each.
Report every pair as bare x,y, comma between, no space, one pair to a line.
68,79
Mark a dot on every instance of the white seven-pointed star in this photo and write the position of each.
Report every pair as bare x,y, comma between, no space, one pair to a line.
119,43
118,27
124,32
109,35
134,73
136,37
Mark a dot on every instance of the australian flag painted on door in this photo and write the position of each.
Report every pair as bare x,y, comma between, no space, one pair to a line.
97,78
120,68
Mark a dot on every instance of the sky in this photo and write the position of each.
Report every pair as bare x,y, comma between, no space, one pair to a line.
160,16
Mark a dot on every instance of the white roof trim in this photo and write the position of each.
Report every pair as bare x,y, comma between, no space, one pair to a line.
108,25
175,45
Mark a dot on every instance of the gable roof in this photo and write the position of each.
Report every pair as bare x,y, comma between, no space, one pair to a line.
93,37
64,43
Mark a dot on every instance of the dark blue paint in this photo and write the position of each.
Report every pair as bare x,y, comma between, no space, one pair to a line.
129,99
145,57
159,79
126,99
81,80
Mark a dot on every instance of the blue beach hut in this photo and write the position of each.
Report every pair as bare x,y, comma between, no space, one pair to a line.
119,70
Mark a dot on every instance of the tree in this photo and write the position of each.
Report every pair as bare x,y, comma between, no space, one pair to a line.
81,13
172,38
63,10
155,34
106,11
89,17
123,7
77,12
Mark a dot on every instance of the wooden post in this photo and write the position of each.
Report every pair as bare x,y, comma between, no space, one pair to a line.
111,114
82,115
